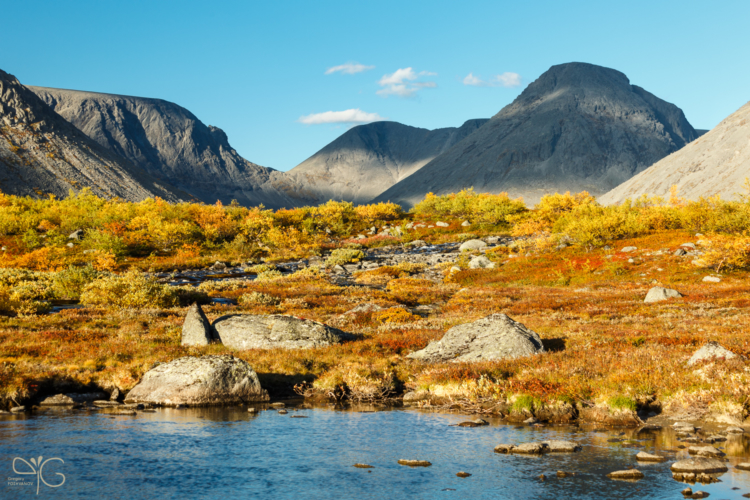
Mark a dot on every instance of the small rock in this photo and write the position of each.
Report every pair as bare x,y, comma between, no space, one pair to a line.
283,412
296,416
363,466
106,403
115,395
76,235
277,405
735,430
565,474
680,252
530,421
69,245
415,463
218,266
710,351
648,457
504,448
711,279
413,396
463,474
18,409
658,294
252,410
629,249
466,223
743,466
455,269
472,245
687,492
481,262
715,438
706,451
699,494
473,423
442,224
558,446
626,474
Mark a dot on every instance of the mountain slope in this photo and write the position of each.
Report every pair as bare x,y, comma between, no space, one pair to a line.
366,160
577,127
167,141
41,153
716,163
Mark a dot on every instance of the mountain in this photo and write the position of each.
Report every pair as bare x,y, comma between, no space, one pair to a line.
577,127
716,163
167,141
366,160
41,153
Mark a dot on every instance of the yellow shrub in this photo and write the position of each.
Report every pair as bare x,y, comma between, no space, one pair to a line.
482,208
728,252
342,256
394,315
130,290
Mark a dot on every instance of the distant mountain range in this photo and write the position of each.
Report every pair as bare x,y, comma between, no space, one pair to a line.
41,153
577,127
366,160
717,163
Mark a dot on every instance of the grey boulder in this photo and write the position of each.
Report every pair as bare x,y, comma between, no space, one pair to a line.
558,446
250,331
58,400
472,245
196,329
199,381
711,350
491,338
658,294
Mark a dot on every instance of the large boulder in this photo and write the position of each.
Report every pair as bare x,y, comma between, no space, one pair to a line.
196,329
658,294
709,351
251,331
199,381
495,337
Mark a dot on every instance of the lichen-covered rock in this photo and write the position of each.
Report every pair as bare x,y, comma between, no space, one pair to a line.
504,448
58,400
531,449
712,350
648,457
626,474
659,294
199,381
196,329
699,465
472,245
250,331
481,262
706,451
494,337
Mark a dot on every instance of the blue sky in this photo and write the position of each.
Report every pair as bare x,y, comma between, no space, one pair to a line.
262,71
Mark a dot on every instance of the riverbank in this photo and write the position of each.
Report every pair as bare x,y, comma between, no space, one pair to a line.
610,357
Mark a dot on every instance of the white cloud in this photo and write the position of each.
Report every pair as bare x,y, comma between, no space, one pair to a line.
505,80
349,68
347,116
402,83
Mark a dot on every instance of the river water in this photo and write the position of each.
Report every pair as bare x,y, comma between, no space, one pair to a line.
227,453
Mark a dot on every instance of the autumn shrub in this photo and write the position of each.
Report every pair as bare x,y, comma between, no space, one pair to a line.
727,252
620,402
258,298
266,276
225,285
69,283
592,225
342,256
414,291
188,295
484,208
397,315
130,290
105,241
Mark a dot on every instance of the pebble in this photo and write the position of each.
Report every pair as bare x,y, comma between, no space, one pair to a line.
283,412
463,474
711,279
363,466
648,457
626,474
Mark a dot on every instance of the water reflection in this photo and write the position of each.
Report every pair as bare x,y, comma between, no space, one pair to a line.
230,453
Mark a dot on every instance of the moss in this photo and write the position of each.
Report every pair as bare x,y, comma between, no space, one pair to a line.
342,256
622,403
525,402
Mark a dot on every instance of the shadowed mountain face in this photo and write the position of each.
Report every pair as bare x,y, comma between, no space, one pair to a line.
366,160
716,163
41,153
168,141
577,127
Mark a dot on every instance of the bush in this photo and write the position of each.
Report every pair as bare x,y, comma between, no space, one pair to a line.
130,290
621,403
485,208
257,298
342,256
69,284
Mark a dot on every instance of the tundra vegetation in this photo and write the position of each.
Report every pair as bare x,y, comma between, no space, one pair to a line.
564,277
